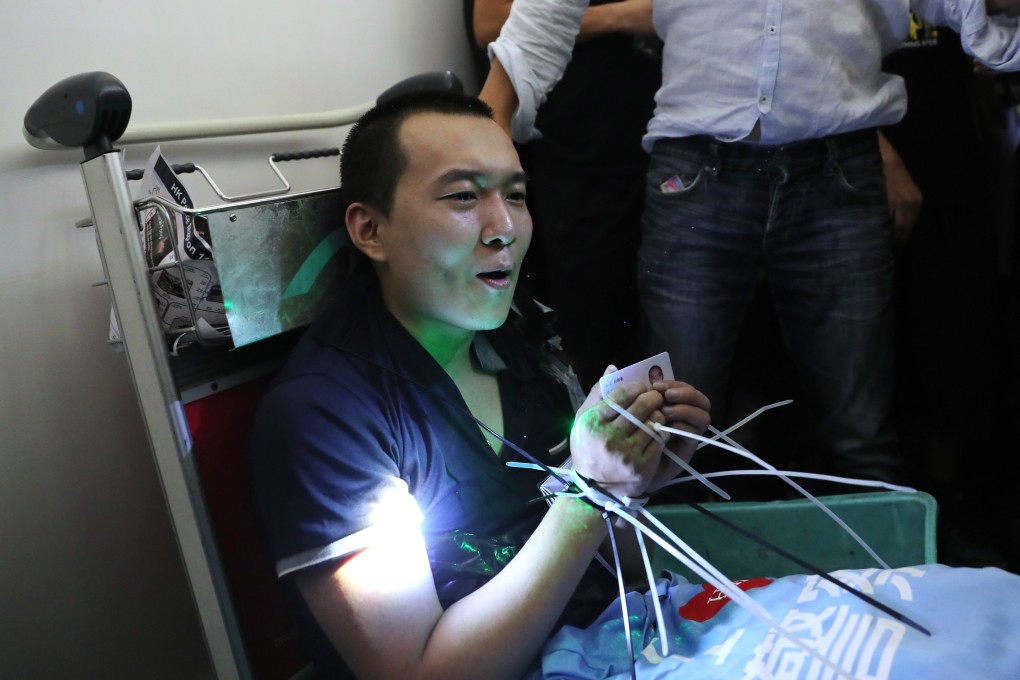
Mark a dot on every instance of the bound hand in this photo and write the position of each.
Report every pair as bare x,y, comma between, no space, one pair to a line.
609,448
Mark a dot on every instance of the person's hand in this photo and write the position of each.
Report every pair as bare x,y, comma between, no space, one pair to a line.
905,197
610,449
684,408
904,201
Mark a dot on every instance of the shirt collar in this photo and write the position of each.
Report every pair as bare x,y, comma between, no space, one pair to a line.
487,356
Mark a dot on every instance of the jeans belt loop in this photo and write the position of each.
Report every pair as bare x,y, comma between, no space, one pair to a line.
832,156
715,158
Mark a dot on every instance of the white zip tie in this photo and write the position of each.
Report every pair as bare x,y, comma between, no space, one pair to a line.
692,560
660,621
741,451
824,508
849,481
600,499
707,571
652,432
745,421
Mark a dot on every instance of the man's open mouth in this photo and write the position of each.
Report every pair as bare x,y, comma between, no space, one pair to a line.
496,275
498,279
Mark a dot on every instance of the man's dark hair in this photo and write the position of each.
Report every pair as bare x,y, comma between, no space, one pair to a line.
372,160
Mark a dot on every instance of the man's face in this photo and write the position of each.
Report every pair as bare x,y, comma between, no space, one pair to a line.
458,227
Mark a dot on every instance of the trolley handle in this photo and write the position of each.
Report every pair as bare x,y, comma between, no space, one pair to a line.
275,158
178,168
304,155
278,157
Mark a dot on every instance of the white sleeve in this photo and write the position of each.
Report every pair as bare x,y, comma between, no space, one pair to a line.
534,48
993,39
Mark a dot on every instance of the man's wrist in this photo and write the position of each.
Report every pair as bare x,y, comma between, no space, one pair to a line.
601,497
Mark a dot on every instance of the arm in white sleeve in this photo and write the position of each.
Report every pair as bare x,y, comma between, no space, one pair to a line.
993,39
534,48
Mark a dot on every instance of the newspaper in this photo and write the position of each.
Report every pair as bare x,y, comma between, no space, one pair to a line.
159,230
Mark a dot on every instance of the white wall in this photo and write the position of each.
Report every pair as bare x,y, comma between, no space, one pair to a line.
91,584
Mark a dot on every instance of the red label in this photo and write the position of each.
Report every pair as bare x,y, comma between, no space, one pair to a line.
710,600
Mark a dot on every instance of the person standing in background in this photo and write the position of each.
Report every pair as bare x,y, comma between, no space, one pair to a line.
945,287
766,165
586,172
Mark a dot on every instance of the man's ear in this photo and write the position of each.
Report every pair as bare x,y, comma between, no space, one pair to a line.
363,222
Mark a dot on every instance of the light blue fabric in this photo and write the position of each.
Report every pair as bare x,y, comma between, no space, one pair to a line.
730,64
973,615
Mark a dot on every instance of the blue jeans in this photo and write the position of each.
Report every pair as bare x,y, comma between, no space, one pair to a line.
810,218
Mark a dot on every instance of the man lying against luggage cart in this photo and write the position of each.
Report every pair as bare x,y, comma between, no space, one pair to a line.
409,548
373,418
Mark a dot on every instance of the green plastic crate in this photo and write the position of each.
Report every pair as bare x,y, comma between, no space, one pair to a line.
899,527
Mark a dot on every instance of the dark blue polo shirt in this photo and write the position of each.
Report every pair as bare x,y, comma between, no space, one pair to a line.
362,410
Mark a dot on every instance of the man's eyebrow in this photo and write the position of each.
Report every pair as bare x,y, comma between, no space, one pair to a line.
481,179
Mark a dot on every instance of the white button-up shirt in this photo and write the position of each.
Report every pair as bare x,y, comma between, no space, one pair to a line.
798,69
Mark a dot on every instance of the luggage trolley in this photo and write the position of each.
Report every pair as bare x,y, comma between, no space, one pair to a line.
197,402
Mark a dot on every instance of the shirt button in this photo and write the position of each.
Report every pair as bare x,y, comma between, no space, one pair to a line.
772,29
763,99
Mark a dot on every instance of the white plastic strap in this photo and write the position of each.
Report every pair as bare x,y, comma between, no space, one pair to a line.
741,451
602,500
653,432
700,566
